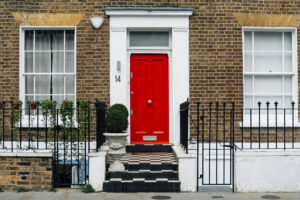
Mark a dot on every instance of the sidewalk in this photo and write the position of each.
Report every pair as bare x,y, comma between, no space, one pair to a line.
68,194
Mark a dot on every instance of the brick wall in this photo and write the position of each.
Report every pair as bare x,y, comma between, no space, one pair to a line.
31,173
215,44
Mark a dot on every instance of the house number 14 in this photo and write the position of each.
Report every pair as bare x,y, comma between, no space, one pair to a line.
118,78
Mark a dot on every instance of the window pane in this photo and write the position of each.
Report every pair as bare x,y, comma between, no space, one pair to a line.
248,102
42,84
268,41
28,40
288,41
70,98
58,84
58,40
288,101
28,84
268,85
248,62
41,98
288,62
70,40
248,84
69,84
265,99
26,105
42,40
58,99
58,62
288,85
248,41
28,62
43,62
268,62
149,38
69,62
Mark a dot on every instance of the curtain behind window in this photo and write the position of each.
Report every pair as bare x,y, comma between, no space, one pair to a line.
47,53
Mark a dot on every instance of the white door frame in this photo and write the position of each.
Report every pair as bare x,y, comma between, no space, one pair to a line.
177,21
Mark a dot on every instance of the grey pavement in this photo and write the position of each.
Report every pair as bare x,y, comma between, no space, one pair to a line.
75,194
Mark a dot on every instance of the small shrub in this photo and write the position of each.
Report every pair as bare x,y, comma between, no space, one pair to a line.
1,190
119,107
52,190
88,189
21,189
116,121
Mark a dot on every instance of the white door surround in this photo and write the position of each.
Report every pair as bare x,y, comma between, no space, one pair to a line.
174,19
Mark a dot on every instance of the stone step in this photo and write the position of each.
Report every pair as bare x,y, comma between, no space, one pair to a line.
151,166
146,174
149,148
141,185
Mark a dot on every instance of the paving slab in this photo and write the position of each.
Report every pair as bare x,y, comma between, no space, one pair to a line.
76,194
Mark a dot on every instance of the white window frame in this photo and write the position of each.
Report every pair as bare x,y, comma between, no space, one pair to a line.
25,121
149,47
294,73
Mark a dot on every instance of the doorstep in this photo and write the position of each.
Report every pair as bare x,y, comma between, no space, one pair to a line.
148,168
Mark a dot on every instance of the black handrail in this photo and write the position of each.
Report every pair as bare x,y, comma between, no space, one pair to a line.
184,124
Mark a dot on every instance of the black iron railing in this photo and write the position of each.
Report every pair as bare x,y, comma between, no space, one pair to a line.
70,133
184,124
269,126
221,128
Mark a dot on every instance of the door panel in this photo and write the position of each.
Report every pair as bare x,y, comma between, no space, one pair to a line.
149,98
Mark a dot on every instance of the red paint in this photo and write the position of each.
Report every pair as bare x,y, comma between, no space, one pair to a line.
149,81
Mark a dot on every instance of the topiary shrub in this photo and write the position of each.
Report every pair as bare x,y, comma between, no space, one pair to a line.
120,107
117,119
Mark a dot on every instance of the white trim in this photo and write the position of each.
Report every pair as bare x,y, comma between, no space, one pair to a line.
45,154
267,29
181,29
48,27
178,52
118,29
147,13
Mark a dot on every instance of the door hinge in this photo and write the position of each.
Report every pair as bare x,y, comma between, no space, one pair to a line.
131,75
131,112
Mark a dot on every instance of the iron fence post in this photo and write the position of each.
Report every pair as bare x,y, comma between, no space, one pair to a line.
198,120
100,122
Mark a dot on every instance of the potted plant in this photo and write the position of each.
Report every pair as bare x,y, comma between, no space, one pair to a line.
116,124
17,104
34,105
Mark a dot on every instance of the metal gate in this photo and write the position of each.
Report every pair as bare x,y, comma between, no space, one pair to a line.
215,127
214,142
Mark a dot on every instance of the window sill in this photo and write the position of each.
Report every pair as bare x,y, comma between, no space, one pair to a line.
280,124
39,123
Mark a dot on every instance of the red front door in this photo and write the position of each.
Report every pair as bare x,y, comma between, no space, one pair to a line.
149,98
